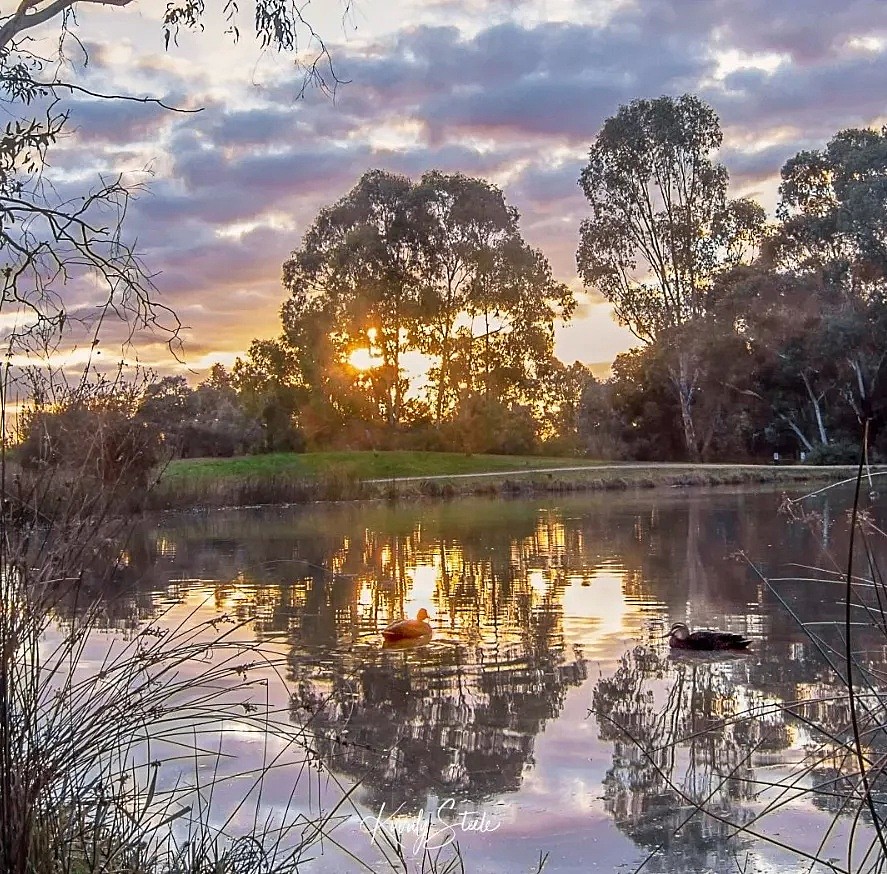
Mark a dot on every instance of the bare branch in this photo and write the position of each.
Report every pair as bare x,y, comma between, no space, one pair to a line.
21,20
154,101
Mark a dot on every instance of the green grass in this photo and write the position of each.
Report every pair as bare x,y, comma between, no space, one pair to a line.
360,465
286,478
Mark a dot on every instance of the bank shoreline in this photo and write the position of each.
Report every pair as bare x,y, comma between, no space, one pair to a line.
191,493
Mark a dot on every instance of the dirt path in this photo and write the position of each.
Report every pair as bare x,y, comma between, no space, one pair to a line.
593,468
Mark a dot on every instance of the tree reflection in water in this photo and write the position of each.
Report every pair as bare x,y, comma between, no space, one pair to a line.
682,738
515,589
441,721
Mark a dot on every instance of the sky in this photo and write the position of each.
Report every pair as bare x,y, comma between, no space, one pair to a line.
510,90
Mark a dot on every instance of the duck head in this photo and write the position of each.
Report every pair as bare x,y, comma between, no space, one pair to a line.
422,615
679,631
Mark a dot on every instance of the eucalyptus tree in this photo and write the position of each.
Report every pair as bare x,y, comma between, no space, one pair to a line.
489,301
359,265
271,390
562,414
469,222
438,267
662,228
833,233
505,342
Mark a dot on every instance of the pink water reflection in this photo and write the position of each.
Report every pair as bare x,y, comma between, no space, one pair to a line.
547,705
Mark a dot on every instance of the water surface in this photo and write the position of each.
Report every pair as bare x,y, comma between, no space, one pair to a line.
547,715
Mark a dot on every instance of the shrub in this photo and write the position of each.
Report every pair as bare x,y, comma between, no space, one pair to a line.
488,425
101,443
840,452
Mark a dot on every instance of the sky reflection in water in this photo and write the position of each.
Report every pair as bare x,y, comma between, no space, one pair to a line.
547,708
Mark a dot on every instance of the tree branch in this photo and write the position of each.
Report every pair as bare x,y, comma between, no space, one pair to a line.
20,20
155,101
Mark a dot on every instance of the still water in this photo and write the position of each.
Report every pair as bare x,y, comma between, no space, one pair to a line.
547,715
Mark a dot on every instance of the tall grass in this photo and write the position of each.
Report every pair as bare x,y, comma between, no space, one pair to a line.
118,752
844,770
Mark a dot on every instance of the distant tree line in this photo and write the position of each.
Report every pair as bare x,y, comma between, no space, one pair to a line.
754,337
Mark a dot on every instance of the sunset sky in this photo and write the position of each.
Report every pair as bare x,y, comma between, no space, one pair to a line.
511,91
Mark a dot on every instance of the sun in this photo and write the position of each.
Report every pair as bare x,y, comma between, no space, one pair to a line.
364,359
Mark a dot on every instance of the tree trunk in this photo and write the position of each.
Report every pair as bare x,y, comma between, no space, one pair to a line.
709,435
689,429
398,400
486,353
817,410
445,355
394,408
685,385
443,375
798,433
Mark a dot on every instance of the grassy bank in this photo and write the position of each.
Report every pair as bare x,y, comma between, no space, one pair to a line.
337,476
361,465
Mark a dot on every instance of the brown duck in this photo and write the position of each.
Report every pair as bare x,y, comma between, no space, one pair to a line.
680,637
408,629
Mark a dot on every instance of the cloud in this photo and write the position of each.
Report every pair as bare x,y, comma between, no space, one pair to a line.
492,89
755,26
554,79
543,189
254,127
116,122
814,101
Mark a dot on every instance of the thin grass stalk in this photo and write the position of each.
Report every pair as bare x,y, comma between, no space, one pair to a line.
713,814
863,770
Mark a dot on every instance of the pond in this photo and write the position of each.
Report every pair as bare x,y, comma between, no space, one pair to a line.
547,715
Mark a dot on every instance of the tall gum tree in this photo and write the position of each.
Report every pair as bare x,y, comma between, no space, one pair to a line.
469,221
661,228
833,234
488,301
439,267
360,261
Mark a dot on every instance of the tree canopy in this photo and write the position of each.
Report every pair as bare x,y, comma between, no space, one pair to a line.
662,228
436,267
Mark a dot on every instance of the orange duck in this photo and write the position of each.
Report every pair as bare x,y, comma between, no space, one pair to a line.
408,629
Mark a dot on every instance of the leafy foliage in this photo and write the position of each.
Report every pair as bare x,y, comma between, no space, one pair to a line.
661,225
437,267
662,229
90,433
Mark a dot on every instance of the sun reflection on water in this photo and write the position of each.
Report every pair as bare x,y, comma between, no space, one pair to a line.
549,624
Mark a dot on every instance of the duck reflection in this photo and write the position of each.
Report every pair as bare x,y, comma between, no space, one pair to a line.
404,643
